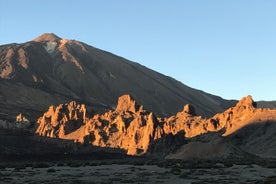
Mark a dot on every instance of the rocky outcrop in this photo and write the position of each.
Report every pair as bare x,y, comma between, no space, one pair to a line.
189,109
21,118
136,130
127,104
19,122
242,132
234,118
244,113
62,120
129,127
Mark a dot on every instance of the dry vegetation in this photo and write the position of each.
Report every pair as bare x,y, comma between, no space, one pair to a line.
139,171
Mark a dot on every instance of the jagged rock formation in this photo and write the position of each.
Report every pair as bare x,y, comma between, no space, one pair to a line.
62,120
135,130
62,70
129,127
244,133
234,118
19,122
21,118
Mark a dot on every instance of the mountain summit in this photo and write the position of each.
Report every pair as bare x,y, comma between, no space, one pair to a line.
55,70
47,37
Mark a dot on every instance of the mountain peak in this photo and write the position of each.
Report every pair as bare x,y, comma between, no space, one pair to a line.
47,37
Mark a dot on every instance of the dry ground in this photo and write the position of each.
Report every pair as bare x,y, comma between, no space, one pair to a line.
134,173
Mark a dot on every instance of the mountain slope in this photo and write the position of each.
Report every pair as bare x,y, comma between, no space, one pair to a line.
69,69
266,104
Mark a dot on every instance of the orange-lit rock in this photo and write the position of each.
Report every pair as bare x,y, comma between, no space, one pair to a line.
126,103
134,129
62,120
21,118
128,127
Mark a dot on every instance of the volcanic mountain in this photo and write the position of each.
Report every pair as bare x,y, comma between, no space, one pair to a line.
50,70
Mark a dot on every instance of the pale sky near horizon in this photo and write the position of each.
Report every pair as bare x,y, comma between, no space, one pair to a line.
223,47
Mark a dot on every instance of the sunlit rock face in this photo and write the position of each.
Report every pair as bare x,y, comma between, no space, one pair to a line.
134,129
129,127
240,131
62,120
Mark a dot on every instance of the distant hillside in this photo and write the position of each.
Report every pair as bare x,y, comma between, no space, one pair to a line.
266,104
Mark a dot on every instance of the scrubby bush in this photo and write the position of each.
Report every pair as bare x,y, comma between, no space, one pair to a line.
51,170
175,171
41,165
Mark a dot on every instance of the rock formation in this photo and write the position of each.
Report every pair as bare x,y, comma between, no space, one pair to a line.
243,131
21,118
129,127
134,129
20,122
62,120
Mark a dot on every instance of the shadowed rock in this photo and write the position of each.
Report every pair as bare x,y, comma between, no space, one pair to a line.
189,109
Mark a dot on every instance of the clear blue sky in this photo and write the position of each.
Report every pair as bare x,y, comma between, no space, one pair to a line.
224,47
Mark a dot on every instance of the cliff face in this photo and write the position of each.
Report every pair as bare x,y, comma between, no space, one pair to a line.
134,129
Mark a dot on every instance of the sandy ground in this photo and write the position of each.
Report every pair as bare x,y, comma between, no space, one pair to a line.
137,174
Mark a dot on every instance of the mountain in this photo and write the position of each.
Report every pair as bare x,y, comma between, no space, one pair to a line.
50,70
